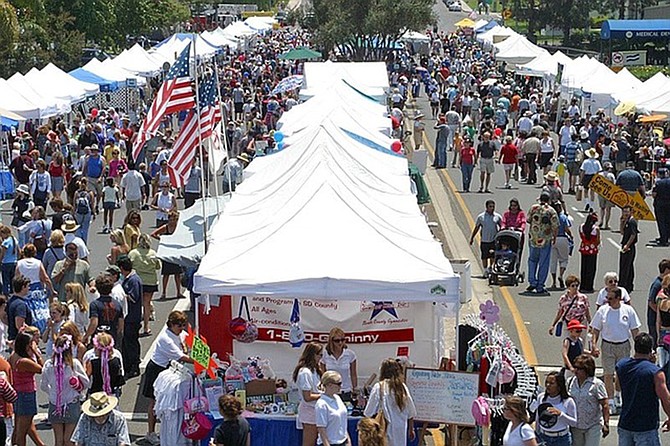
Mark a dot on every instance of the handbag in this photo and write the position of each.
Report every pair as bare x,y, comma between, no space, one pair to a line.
380,418
196,425
244,330
559,327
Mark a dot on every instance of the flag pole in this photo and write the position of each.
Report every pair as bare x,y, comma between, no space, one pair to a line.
224,120
203,192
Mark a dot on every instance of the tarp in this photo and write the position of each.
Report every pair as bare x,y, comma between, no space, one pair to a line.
108,70
482,25
51,80
9,118
48,105
138,62
517,50
86,76
330,219
186,246
370,78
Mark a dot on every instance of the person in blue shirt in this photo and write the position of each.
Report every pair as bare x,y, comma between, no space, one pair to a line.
18,313
9,252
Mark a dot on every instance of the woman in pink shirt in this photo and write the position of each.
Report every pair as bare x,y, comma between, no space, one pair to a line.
514,217
26,362
117,166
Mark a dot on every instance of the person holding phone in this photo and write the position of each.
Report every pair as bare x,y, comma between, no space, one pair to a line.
70,270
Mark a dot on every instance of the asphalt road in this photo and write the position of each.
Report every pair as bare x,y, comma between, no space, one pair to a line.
537,313
131,403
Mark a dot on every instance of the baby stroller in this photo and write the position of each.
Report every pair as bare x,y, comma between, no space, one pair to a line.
507,258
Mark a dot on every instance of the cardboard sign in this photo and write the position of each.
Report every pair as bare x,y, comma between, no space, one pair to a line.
606,189
200,352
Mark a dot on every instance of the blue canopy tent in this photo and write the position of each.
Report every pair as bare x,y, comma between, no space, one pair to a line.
106,85
628,29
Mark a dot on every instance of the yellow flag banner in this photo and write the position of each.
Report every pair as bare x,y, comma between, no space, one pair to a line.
606,189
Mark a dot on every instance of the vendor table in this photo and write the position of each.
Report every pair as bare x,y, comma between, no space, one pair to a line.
280,430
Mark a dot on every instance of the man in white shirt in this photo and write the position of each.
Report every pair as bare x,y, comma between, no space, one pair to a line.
69,227
118,294
132,185
615,323
565,134
525,124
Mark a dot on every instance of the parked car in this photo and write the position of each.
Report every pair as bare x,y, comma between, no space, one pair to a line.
455,6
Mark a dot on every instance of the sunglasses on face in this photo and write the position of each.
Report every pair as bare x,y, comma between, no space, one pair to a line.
338,340
339,383
574,285
613,281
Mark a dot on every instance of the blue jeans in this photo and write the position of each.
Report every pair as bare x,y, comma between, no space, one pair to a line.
466,172
7,276
565,440
646,438
84,221
538,266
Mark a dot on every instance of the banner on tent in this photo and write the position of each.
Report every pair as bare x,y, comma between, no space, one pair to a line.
363,322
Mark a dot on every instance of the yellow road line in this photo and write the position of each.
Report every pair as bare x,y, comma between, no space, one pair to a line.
524,337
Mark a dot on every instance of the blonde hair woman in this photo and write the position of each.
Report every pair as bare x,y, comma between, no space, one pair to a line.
370,433
55,251
146,263
340,358
119,246
398,406
78,305
331,413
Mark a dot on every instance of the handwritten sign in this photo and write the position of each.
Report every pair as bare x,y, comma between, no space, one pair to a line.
606,189
443,397
200,352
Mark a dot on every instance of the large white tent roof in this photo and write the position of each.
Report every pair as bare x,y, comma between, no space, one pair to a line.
518,50
51,80
170,49
370,78
137,61
260,24
48,104
494,33
218,37
545,64
12,100
238,30
329,218
606,81
108,70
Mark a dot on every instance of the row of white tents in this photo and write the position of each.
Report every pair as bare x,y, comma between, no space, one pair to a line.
41,94
584,76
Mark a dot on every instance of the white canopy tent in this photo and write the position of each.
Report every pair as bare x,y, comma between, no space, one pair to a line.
108,70
12,100
545,65
219,38
517,50
370,78
137,61
345,215
170,49
239,30
413,36
51,80
48,104
495,34
260,24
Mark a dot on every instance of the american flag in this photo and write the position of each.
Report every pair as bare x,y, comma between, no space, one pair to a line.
186,146
174,95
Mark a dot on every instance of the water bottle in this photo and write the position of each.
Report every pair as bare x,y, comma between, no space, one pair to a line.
589,341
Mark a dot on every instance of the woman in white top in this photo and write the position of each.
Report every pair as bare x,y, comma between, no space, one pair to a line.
611,280
590,167
398,406
163,202
78,305
547,152
555,412
331,413
65,380
32,269
307,377
518,432
338,357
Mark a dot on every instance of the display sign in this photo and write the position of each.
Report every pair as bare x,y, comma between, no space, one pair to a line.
629,58
200,352
131,82
606,189
443,397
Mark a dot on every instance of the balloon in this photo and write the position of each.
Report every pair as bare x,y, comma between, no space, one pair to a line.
498,131
396,146
278,136
94,112
280,145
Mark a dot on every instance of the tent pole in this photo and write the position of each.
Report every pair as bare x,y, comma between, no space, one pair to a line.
224,121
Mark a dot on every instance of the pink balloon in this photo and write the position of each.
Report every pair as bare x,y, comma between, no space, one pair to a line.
94,112
396,146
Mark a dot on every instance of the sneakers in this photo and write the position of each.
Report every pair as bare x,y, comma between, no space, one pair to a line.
152,438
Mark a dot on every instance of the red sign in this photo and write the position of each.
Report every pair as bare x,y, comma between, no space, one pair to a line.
359,337
403,352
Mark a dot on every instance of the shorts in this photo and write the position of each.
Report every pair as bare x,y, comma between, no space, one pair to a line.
586,180
133,205
488,250
487,165
109,205
613,353
238,106
26,404
573,168
508,167
95,185
545,159
149,288
306,413
604,202
150,376
70,416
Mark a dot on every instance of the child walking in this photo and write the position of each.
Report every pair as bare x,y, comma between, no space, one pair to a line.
110,199
573,346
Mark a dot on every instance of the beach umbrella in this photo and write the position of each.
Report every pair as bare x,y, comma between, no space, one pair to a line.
624,108
288,83
300,53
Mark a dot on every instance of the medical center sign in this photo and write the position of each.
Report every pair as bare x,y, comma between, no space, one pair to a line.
647,34
364,322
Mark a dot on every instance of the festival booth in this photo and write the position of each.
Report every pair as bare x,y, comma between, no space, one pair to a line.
598,90
49,105
370,78
328,201
86,76
260,24
137,62
517,50
420,43
495,35
11,99
545,66
169,49
218,37
51,80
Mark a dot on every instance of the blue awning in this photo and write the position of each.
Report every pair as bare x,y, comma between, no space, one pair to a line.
629,29
86,76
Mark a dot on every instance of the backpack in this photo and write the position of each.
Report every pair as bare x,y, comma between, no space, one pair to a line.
40,241
82,205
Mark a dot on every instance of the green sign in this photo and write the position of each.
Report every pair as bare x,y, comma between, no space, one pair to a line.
200,352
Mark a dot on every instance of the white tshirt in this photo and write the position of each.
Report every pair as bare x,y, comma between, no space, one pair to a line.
523,432
602,296
168,347
308,380
120,296
615,324
81,246
331,413
341,365
30,268
132,182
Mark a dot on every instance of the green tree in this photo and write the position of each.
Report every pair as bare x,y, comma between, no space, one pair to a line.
367,29
9,28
